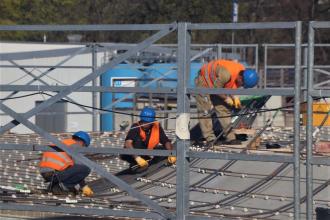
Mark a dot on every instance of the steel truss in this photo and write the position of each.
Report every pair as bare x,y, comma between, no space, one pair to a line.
183,92
311,93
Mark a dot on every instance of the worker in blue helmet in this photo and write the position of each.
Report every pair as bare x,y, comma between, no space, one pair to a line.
147,134
226,74
63,173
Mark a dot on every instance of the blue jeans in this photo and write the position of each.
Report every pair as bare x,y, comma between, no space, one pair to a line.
70,177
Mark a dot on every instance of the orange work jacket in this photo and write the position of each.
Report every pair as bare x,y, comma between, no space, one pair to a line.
208,72
154,136
57,160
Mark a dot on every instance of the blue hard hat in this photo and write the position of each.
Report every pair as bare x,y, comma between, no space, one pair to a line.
147,114
250,78
83,136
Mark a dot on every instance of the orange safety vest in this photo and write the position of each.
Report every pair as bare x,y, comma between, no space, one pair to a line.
154,136
208,72
57,160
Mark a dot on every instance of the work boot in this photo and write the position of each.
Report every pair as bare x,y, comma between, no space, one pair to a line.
208,144
56,189
60,189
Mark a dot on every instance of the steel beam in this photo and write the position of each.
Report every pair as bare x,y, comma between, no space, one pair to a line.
31,88
42,81
296,138
319,93
265,66
309,124
91,149
320,24
46,66
241,156
121,46
269,91
183,106
78,210
94,84
49,70
80,158
92,27
43,53
242,26
92,76
292,45
320,161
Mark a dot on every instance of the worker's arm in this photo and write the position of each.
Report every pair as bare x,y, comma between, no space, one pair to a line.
129,145
139,160
167,144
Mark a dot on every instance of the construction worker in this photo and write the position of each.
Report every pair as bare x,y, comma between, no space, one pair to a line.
62,172
146,134
221,74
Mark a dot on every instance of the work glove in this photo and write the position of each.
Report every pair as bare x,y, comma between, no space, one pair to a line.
87,191
229,101
237,103
141,162
171,159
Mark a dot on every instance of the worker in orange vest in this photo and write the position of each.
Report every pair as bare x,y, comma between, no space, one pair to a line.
221,74
61,171
146,134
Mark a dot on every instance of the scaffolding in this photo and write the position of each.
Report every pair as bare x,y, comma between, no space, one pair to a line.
183,93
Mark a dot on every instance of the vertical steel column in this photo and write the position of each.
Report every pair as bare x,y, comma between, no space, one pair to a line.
219,48
256,62
182,171
166,108
265,78
305,63
309,125
94,84
296,150
265,66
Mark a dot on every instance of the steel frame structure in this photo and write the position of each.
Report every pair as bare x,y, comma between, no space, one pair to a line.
183,92
311,93
268,47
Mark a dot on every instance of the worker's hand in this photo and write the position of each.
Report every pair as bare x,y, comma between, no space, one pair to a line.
237,102
87,191
141,162
171,159
229,101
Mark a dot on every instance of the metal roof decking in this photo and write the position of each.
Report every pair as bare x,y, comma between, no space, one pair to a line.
217,187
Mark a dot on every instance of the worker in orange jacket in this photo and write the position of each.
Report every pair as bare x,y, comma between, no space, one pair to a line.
61,171
146,134
221,74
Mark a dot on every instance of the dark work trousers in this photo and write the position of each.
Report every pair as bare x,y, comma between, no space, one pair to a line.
70,177
130,159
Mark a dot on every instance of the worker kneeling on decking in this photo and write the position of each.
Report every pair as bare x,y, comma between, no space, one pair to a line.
62,172
146,134
221,74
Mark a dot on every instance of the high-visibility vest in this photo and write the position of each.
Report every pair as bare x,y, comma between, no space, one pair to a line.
208,72
57,160
154,136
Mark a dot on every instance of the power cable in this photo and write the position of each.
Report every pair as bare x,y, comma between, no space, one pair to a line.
174,117
19,97
283,108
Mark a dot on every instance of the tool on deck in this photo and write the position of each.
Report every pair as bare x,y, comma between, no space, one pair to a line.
246,115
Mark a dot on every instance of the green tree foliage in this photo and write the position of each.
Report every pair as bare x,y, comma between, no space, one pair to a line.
158,11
